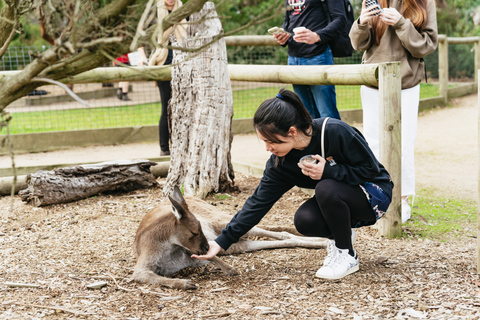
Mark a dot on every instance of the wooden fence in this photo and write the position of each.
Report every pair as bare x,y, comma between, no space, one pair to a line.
386,76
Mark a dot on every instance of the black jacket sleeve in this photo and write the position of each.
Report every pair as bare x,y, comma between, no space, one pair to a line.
272,186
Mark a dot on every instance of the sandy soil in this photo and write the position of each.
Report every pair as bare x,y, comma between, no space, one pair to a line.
59,250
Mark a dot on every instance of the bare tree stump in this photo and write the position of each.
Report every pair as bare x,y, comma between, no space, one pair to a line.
80,182
201,110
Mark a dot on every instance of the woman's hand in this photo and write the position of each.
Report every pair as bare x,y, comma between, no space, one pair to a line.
390,16
212,251
313,170
367,13
306,36
281,37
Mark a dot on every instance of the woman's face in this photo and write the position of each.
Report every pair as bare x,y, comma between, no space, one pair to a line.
278,149
169,3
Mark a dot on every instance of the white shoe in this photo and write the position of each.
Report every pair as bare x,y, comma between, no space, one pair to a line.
406,211
331,248
331,252
354,236
340,264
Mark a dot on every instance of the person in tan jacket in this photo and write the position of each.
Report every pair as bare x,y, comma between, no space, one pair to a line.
404,31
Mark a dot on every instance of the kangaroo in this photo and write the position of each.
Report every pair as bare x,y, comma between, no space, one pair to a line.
169,234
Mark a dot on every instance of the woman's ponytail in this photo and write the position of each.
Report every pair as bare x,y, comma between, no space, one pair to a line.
275,116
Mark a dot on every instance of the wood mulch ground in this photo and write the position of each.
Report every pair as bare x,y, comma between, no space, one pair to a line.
51,255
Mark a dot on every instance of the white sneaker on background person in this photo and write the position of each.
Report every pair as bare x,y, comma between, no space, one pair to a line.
338,264
406,211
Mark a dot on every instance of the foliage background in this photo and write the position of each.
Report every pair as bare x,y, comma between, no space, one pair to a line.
455,19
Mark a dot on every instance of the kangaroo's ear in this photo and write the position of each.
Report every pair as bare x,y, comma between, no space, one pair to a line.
178,196
179,206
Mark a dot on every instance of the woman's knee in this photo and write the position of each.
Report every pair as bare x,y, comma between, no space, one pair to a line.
325,192
310,223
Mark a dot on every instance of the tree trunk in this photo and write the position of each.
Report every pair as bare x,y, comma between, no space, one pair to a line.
201,110
80,182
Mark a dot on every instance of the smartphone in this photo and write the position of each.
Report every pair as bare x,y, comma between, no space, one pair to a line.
374,4
277,30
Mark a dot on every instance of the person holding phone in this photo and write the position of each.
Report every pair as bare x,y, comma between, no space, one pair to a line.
309,46
352,189
405,31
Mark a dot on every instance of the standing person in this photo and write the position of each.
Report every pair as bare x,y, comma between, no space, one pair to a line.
122,92
310,47
349,181
404,31
164,56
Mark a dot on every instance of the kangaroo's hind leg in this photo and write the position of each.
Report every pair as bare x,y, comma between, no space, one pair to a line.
245,245
281,235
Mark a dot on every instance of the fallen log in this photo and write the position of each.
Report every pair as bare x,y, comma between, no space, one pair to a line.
83,181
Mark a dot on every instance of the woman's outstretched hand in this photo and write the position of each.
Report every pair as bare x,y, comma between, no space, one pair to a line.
313,170
212,252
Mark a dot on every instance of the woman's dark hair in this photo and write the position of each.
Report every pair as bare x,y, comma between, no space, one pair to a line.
275,116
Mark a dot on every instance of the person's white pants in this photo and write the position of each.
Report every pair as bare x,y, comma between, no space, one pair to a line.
410,99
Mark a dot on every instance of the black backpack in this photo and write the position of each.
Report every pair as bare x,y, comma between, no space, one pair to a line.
341,46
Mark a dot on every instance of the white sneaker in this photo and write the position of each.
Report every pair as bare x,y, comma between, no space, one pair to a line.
354,236
406,211
339,265
332,249
331,252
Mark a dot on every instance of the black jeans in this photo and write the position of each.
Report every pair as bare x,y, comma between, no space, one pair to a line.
330,212
163,130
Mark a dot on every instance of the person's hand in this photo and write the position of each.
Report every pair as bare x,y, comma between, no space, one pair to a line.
281,37
212,251
390,16
313,170
306,36
367,13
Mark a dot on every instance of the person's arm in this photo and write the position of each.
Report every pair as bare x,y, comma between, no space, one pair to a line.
142,60
419,44
337,24
361,34
284,39
271,188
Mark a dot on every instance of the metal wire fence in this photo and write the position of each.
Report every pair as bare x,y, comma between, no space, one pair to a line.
49,108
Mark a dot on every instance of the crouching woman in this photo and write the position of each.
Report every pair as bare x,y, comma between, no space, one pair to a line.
352,189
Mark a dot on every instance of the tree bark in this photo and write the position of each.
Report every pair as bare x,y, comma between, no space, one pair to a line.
80,182
201,110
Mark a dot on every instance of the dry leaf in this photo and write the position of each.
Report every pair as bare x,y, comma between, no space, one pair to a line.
381,260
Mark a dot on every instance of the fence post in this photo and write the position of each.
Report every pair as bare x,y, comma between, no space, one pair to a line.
443,67
390,86
477,58
478,191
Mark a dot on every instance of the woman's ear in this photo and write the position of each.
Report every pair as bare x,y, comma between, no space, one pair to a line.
292,132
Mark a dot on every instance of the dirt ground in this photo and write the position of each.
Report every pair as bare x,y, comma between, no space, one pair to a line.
60,250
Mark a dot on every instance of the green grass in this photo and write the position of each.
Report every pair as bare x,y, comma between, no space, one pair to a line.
222,196
438,218
81,119
246,101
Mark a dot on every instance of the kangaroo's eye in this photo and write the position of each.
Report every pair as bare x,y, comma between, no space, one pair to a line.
194,234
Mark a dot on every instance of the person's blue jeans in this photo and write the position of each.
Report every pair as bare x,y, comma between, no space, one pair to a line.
320,100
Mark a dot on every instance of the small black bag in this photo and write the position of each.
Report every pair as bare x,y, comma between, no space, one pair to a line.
341,46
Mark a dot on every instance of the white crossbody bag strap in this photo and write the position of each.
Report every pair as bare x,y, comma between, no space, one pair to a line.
323,136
